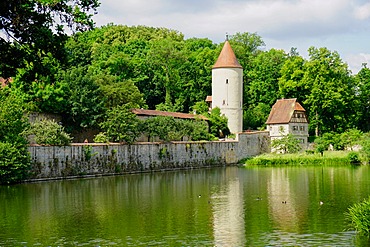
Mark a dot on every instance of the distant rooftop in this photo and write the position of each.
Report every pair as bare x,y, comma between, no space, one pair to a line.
282,111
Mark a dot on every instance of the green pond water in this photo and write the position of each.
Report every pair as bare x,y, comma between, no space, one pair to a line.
232,206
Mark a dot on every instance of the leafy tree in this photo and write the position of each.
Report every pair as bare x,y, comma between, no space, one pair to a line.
365,151
331,91
121,125
330,139
196,72
263,88
171,129
291,84
32,30
246,47
86,102
351,137
119,92
287,144
48,132
362,81
200,107
218,123
255,117
164,57
200,131
321,145
14,157
264,77
13,119
163,127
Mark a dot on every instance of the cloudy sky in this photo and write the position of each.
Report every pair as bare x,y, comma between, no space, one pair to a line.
339,25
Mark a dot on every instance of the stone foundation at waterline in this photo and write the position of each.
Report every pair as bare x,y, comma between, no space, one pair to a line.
49,162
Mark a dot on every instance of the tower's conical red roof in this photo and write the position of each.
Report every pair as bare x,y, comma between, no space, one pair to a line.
227,58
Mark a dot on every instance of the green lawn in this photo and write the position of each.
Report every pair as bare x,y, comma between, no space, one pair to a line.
329,158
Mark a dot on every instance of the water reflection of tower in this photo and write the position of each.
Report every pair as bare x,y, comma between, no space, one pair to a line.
228,214
286,212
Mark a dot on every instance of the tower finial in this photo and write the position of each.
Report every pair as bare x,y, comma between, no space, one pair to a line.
227,36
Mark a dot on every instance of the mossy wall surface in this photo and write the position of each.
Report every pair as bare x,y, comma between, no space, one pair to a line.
102,159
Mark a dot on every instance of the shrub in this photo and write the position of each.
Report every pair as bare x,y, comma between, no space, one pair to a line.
218,123
354,158
359,217
14,156
48,132
14,162
121,125
366,148
287,144
101,138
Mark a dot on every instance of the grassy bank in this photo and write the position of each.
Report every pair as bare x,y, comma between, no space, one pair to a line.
329,158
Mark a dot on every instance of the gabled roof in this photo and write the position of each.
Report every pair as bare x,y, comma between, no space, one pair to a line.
227,58
142,112
282,111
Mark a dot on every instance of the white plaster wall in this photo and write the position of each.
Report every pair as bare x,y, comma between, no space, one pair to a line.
229,96
277,130
275,133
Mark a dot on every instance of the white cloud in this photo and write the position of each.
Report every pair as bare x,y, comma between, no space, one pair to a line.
356,61
362,12
289,23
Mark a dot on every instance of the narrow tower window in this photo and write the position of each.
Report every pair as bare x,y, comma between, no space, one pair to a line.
227,81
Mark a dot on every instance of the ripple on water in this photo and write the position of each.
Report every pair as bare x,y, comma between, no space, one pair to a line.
279,238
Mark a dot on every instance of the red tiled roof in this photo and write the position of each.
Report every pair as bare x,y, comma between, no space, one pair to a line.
227,58
142,112
282,111
209,99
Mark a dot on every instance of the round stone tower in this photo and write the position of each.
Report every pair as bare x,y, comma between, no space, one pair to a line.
227,87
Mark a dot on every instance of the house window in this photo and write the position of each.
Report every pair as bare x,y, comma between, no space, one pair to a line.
301,128
223,102
295,128
227,81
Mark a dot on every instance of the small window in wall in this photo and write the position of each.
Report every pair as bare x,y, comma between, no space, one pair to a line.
301,128
223,102
227,81
295,128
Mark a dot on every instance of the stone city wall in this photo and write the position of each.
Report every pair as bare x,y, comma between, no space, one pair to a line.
91,159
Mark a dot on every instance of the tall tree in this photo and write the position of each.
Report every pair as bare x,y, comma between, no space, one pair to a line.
331,91
196,72
165,57
290,83
33,29
246,46
362,80
263,88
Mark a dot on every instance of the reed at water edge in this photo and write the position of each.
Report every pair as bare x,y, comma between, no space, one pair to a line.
329,158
